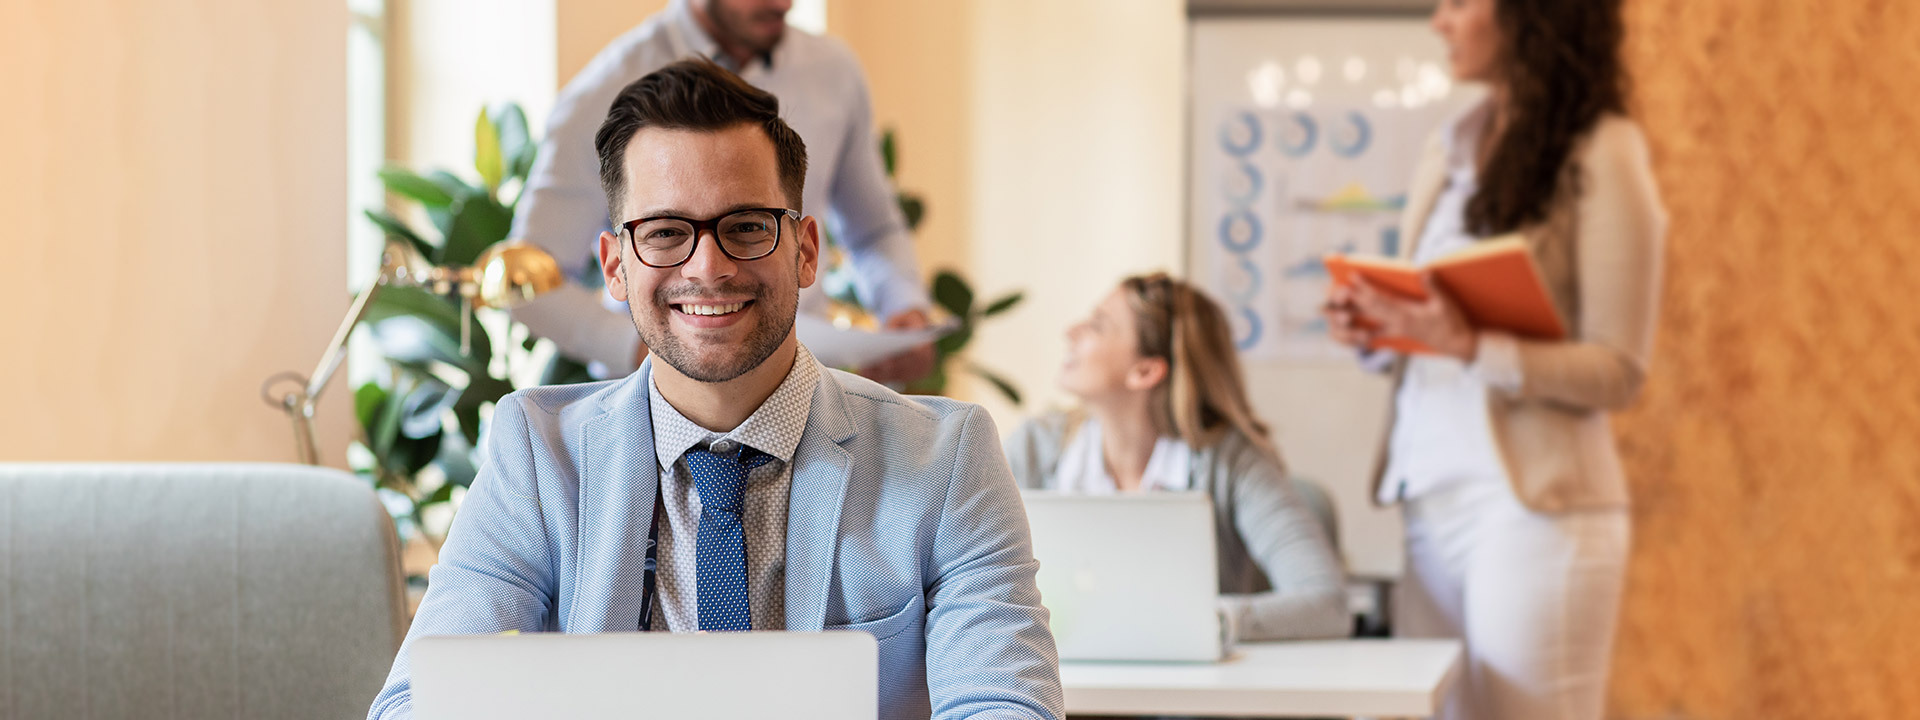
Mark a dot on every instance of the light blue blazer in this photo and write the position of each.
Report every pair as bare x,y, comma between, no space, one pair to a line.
904,522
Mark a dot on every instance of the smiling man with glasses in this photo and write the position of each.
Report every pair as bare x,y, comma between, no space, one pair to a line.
770,493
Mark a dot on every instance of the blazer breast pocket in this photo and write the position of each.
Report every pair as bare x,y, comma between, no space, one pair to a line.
890,625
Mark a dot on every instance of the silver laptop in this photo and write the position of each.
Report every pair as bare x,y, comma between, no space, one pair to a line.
707,676
1128,577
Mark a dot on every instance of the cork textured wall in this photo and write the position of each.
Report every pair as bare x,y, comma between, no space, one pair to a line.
1775,456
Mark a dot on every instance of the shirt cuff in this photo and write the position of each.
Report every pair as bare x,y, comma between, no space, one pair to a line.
1497,362
1377,361
1233,610
898,295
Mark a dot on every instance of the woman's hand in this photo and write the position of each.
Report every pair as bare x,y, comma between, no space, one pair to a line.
1343,319
1435,322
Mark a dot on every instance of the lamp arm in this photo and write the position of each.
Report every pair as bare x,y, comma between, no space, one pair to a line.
337,348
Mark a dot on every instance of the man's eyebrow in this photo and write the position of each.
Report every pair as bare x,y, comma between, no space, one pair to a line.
730,209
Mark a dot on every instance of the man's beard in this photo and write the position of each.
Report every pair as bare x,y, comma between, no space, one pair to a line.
735,26
773,321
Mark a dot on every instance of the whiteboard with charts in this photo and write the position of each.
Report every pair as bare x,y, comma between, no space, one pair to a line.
1303,133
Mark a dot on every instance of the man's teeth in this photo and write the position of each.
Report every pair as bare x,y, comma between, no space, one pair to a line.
711,309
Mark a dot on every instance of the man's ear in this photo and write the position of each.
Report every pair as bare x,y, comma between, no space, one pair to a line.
1146,373
809,237
612,267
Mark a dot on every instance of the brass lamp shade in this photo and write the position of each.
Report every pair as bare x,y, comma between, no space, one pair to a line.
513,272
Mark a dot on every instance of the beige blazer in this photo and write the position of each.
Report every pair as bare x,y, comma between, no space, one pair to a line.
1600,250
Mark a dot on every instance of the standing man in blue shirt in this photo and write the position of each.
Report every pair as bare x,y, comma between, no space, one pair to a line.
776,494
824,98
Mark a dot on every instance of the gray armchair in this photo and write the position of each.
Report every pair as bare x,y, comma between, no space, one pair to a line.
194,591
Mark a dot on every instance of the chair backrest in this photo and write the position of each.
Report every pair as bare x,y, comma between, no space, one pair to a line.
1321,504
194,591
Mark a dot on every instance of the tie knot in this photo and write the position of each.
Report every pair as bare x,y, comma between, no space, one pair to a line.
719,476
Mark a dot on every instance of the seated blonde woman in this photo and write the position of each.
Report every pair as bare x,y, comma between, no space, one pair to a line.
1163,407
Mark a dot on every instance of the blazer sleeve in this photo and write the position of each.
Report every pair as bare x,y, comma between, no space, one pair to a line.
1308,599
989,651
496,570
1619,238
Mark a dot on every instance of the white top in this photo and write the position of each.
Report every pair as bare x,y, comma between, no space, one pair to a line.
823,95
1441,433
1083,466
1337,678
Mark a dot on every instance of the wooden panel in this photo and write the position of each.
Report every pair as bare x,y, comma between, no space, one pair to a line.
175,204
1775,457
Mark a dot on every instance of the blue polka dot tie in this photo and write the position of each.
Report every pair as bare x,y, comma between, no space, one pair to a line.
720,555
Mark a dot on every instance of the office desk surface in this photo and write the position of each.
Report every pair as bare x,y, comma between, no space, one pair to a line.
1346,678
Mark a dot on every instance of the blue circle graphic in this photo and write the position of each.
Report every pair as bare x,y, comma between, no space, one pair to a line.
1246,294
1362,137
1240,219
1254,183
1309,132
1253,329
1252,143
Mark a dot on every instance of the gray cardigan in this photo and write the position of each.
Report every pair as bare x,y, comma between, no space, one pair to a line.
1279,579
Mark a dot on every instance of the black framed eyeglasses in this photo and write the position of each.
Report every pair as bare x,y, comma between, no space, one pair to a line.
665,241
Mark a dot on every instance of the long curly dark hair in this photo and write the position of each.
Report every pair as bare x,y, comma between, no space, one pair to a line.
1561,65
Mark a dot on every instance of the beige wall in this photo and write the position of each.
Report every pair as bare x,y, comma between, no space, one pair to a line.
918,60
449,58
1076,176
1046,139
174,196
583,27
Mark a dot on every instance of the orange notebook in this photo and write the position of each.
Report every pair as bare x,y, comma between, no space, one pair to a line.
1495,283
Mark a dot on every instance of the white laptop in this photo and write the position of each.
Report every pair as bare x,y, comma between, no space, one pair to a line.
1128,577
706,676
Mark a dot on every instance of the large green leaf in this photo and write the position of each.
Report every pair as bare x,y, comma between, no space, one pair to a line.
411,455
955,341
1006,388
516,144
486,152
402,301
1003,304
455,186
367,401
889,153
478,222
405,183
457,189
457,460
424,406
912,209
953,294
412,325
395,228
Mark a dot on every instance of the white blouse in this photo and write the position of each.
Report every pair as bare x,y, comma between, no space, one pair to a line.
1441,432
1083,466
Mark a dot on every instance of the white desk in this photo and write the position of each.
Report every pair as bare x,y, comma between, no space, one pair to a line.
1345,678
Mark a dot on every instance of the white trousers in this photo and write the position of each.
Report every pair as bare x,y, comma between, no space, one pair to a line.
1534,597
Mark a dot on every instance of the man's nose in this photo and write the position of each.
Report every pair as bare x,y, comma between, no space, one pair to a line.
709,264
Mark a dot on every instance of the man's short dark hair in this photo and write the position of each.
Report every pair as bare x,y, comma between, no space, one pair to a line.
694,94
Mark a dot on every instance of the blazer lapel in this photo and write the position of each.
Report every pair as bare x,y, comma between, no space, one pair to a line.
821,468
619,481
1429,179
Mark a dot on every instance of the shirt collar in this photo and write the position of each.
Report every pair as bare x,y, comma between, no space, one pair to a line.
696,40
1083,465
774,428
1462,138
